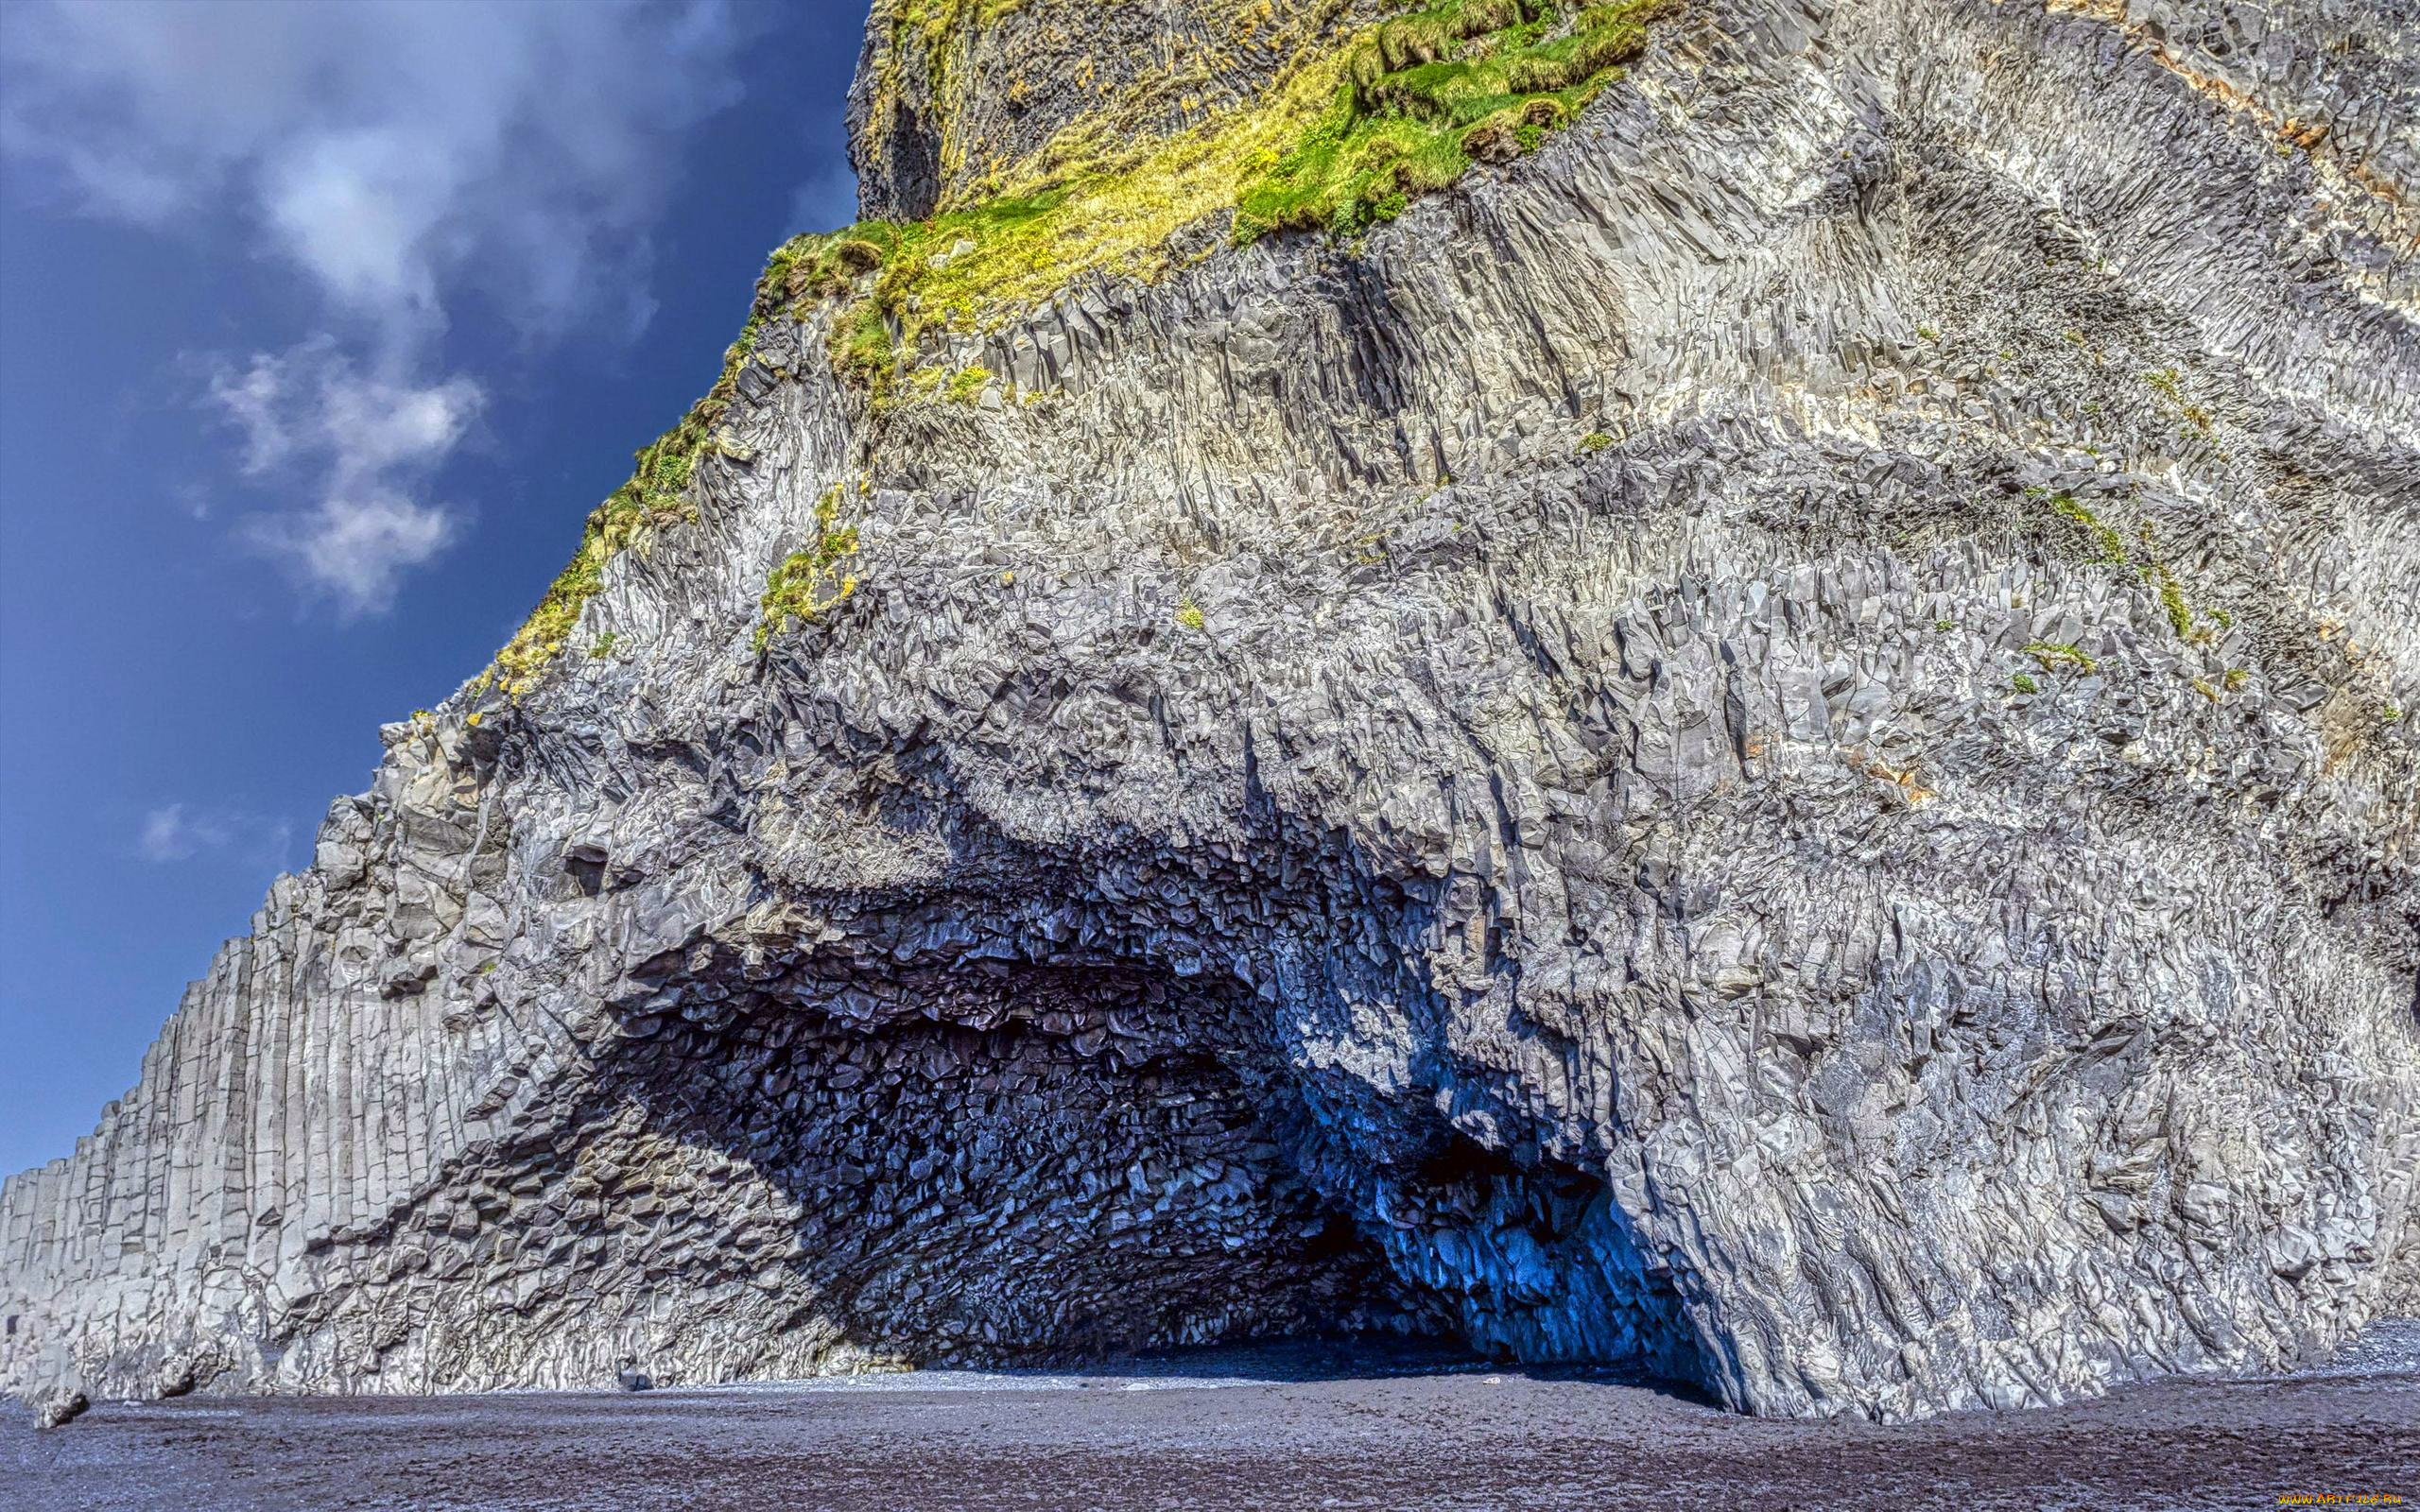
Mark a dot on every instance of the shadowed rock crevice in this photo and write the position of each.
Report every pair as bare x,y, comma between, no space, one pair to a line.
1072,1160
1006,1160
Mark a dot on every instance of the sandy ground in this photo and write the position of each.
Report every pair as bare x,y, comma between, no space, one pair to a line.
1302,1427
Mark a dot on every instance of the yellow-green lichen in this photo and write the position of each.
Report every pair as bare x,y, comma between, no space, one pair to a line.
2168,384
2058,655
2144,559
933,59
810,581
929,36
654,496
2112,545
1344,137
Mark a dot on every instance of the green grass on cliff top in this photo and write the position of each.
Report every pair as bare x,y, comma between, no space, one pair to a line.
1344,140
1347,139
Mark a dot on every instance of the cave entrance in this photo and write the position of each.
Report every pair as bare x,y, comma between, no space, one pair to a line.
1010,1162
1536,1262
1007,1163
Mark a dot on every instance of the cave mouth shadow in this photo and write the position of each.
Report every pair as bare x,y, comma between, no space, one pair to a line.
1016,1167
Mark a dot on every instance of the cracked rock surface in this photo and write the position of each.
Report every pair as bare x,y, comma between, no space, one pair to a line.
1765,743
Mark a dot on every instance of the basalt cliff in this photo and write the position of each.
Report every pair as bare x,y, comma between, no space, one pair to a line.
1719,685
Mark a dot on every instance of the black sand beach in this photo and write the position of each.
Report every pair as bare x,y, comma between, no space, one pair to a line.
1286,1428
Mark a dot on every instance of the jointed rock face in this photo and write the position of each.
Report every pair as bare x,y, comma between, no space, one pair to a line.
1767,740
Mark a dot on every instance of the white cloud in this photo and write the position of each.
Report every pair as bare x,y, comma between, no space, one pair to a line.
369,443
177,831
169,835
356,548
313,399
386,148
397,153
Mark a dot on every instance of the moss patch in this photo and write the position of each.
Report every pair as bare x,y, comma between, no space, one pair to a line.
810,581
653,497
2168,384
1429,95
2143,560
1345,138
2112,545
2057,656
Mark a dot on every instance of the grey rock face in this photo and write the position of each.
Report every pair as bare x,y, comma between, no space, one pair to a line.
60,1407
1786,770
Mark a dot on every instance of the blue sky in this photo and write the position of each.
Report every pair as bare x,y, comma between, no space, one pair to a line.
322,328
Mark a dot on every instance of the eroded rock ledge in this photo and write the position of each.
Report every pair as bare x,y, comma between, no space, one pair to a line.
1767,741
